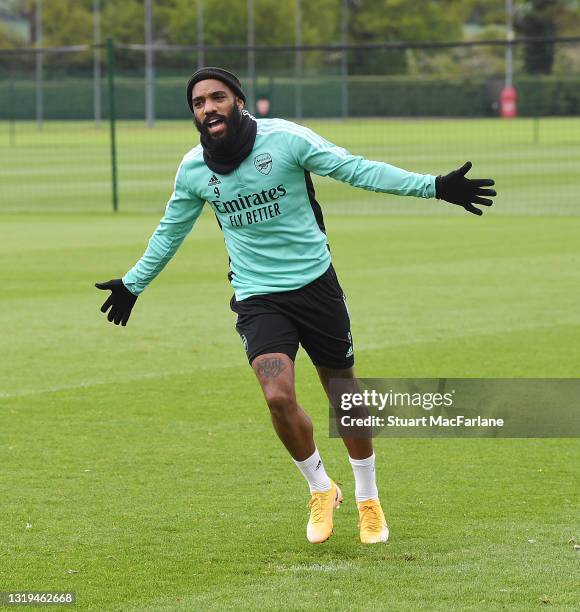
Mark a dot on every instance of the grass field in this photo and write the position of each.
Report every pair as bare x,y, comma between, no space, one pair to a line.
144,460
67,166
138,465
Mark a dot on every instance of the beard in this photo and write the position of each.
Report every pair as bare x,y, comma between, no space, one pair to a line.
222,143
225,152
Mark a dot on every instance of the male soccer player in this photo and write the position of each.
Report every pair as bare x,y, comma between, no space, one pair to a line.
255,175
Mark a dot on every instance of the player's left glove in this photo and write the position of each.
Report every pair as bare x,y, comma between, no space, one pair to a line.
121,301
457,189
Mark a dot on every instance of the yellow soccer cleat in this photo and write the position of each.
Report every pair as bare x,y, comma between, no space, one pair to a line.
322,505
372,523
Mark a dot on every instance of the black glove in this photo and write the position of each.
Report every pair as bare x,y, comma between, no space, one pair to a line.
457,189
121,301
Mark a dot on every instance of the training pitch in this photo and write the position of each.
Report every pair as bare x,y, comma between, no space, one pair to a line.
67,166
139,466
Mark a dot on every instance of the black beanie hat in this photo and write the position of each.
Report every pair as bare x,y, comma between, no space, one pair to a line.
230,79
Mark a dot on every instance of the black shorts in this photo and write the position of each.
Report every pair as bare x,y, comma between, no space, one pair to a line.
314,316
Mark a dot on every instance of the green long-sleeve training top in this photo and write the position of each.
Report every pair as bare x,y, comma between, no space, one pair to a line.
272,224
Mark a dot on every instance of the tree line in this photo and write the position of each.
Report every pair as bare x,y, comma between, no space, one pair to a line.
70,22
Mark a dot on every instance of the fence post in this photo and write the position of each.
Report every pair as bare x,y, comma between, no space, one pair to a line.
39,59
111,81
12,108
298,59
251,58
537,112
344,59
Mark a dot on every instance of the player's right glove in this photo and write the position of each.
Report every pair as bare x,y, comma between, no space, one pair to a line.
121,301
456,188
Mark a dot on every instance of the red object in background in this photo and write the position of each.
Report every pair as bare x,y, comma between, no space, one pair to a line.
508,102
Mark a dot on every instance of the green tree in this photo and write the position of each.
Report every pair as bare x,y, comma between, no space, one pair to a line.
225,23
399,21
9,39
67,22
485,12
537,18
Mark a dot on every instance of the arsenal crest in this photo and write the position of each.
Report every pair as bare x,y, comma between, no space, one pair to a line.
263,163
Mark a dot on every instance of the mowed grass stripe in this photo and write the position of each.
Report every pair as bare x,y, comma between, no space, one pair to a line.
150,509
75,154
143,458
430,353
418,281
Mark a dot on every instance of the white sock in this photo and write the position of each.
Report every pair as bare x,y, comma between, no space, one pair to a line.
365,484
313,470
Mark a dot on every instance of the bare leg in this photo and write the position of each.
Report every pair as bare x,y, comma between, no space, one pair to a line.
372,524
275,373
358,448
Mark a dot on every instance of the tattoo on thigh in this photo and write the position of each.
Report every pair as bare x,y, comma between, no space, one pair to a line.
270,368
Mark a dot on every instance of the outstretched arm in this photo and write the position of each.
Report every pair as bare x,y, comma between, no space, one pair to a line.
324,158
181,212
180,215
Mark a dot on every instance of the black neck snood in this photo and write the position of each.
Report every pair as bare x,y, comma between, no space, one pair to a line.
225,155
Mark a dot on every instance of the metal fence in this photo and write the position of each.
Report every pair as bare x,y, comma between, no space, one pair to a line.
425,107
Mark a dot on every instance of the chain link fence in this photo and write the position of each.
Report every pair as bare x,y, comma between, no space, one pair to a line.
424,107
